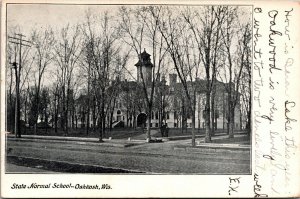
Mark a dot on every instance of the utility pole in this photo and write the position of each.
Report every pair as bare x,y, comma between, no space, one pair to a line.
18,67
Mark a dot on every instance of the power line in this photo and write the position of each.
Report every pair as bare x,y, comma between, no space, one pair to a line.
18,67
19,39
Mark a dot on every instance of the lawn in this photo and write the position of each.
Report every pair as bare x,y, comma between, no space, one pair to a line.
240,140
120,133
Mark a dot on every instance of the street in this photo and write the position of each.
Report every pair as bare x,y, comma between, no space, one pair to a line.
154,158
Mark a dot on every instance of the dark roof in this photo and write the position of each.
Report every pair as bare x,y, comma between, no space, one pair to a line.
200,85
145,55
145,58
132,85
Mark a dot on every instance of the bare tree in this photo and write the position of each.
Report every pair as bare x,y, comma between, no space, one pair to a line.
86,62
237,58
100,54
139,27
67,52
245,90
182,52
43,45
207,37
162,100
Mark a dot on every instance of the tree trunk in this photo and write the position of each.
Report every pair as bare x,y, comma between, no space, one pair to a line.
63,112
100,130
56,113
25,114
213,113
88,103
182,116
112,114
134,120
67,113
88,118
231,123
193,129
94,114
36,116
76,122
103,113
207,118
248,125
149,123
103,122
193,105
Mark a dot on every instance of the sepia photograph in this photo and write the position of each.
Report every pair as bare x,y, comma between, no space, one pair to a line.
128,89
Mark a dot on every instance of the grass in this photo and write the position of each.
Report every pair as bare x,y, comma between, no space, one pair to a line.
241,140
121,133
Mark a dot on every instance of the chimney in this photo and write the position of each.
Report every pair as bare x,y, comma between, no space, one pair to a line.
172,79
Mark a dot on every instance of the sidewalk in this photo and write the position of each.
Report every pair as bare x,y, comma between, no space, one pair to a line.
177,156
79,140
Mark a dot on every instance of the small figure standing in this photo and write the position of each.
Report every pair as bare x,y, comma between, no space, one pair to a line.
162,130
166,131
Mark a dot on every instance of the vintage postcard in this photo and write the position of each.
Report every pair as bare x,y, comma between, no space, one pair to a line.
150,99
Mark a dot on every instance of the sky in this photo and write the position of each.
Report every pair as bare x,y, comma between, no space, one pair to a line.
56,16
41,16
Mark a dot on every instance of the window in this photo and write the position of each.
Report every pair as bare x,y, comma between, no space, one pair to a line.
118,118
175,124
156,124
188,115
217,114
118,112
168,116
204,114
156,115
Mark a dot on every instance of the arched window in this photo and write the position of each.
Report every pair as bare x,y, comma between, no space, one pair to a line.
118,112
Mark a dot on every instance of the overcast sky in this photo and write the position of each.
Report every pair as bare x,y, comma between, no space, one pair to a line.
30,16
40,16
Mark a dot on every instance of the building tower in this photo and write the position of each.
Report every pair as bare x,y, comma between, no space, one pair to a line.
144,66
